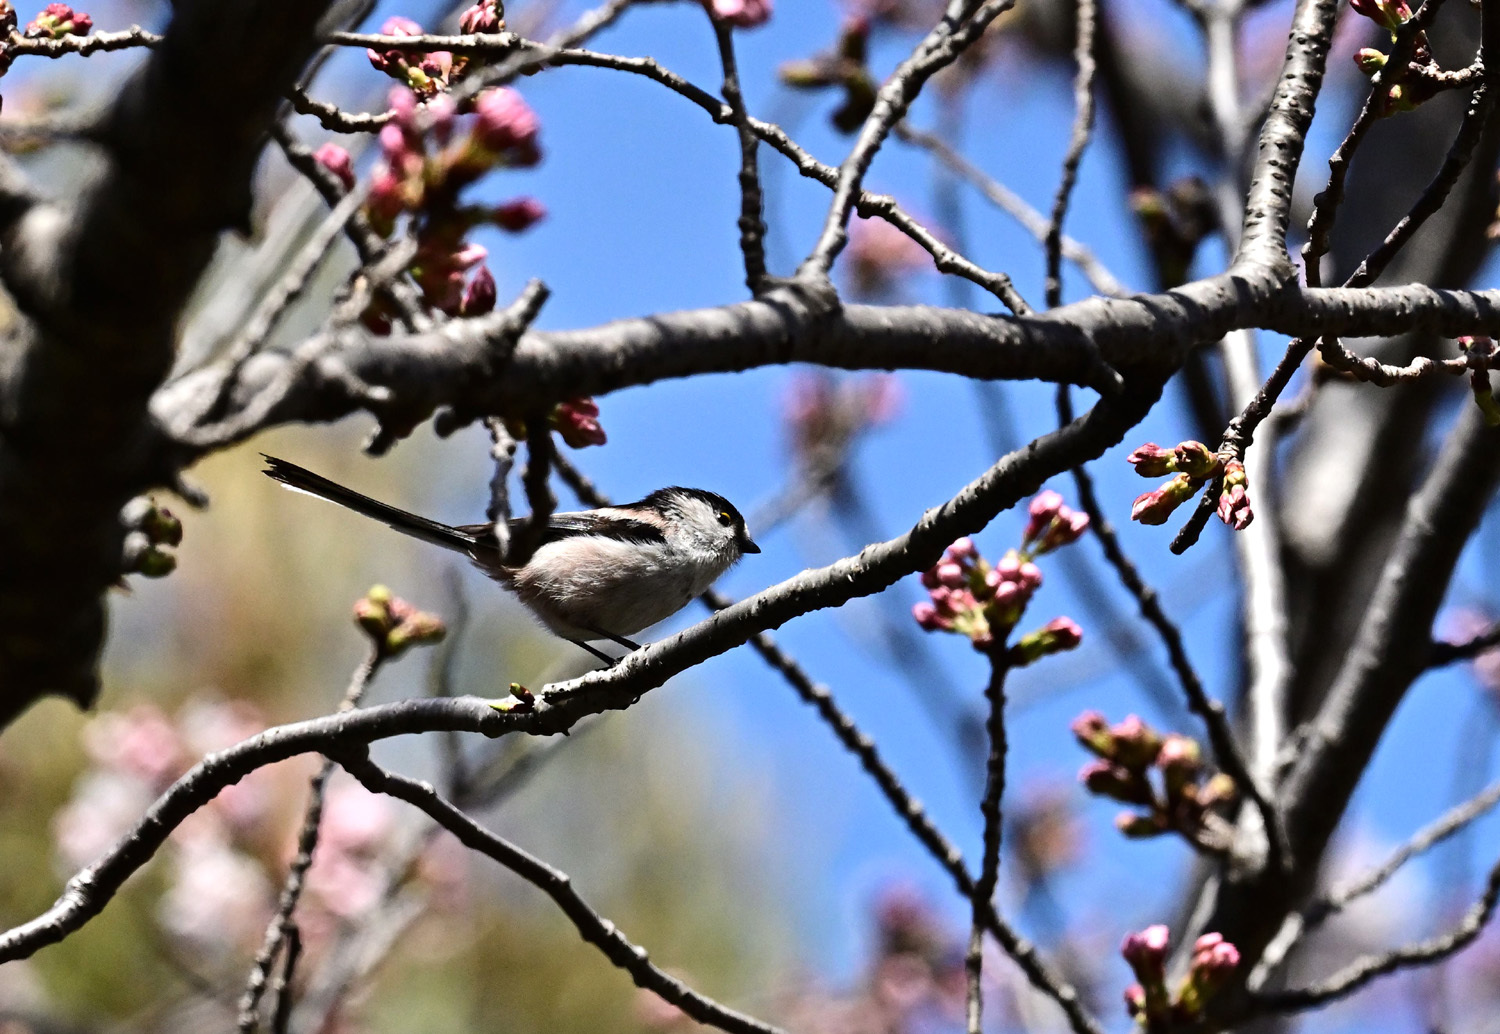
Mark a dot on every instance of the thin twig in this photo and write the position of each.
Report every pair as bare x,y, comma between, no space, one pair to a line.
557,885
535,479
1363,970
307,843
1083,129
96,42
752,227
982,899
1012,204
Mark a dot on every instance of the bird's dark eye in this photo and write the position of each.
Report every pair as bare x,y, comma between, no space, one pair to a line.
725,519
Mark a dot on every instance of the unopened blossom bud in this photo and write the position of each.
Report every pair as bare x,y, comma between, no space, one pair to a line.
1107,779
1213,963
1092,730
1009,598
1180,761
373,612
507,125
442,112
1029,576
1234,504
1135,1000
951,575
57,21
1055,636
1136,744
1009,567
1156,507
1041,513
962,549
1369,60
744,14
519,214
982,636
479,295
415,629
337,161
1151,460
482,17
1388,14
930,578
927,617
1146,952
1066,529
1194,459
809,74
577,421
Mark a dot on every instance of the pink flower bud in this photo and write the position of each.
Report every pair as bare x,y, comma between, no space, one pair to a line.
1055,636
1213,963
1029,577
1388,14
1136,743
519,214
1135,1000
962,549
1156,507
927,617
481,18
930,578
1180,761
479,295
57,21
1009,567
1140,827
744,14
1369,60
403,105
442,112
1194,459
393,144
337,161
1234,503
1151,460
507,125
1043,510
470,255
1146,951
951,575
1092,730
577,421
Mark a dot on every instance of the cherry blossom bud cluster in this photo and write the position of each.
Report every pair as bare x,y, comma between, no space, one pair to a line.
845,67
1051,524
1162,777
425,73
1192,465
393,624
1483,355
742,14
484,17
57,21
1148,1001
969,596
1418,80
427,159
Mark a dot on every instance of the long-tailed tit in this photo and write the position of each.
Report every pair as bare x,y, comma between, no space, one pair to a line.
595,574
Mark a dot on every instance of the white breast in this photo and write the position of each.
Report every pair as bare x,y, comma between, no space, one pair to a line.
579,584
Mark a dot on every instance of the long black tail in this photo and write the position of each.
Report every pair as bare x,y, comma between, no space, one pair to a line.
300,479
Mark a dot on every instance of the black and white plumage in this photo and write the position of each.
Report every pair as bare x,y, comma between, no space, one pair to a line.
596,574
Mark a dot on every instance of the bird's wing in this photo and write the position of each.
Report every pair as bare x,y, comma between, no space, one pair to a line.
592,522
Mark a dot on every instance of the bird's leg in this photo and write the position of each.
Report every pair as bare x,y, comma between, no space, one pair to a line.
606,658
614,638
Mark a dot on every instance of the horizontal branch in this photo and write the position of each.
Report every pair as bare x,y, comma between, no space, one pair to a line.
94,43
1082,343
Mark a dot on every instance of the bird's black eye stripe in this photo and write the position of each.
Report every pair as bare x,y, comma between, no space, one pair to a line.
725,519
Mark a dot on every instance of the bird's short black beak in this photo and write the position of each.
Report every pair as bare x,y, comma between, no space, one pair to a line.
747,546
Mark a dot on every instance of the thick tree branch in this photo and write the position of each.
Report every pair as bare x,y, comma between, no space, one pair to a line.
101,284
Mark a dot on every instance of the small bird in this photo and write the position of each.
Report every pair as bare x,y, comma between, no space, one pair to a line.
595,574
